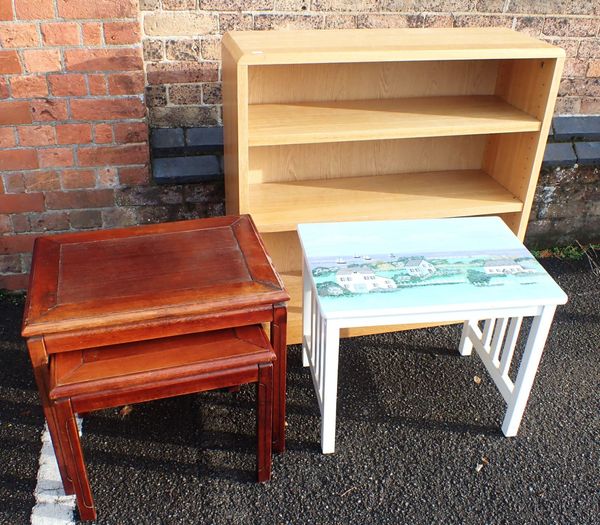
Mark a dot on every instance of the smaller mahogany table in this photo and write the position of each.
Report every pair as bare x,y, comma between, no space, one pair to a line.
134,314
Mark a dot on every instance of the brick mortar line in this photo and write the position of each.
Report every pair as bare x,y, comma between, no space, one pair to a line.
170,60
69,47
217,36
144,12
14,9
75,165
62,168
81,35
72,190
66,73
146,36
75,168
86,80
60,72
59,20
55,124
69,98
63,66
217,12
47,147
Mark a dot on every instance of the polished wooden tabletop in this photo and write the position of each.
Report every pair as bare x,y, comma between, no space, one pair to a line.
104,278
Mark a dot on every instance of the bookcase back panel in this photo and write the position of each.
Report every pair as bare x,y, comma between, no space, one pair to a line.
317,82
360,159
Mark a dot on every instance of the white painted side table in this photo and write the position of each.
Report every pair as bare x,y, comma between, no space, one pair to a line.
475,270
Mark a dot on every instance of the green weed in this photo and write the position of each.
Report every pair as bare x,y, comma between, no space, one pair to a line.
574,252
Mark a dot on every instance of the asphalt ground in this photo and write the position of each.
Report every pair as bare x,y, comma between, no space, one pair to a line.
418,438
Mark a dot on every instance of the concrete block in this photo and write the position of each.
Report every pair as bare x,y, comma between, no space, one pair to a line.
186,170
166,138
576,128
560,154
588,153
209,138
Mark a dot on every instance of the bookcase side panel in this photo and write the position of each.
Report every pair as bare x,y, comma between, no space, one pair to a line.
514,160
235,133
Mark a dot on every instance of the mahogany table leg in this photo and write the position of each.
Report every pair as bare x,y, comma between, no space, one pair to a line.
278,342
38,356
264,420
74,456
59,452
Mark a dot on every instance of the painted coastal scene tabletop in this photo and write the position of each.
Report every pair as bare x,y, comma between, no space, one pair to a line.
384,267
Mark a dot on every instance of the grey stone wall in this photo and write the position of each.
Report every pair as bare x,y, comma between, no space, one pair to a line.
168,202
182,55
566,208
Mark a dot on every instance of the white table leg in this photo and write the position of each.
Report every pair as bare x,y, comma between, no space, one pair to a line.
330,378
498,339
306,313
527,370
466,346
488,332
514,327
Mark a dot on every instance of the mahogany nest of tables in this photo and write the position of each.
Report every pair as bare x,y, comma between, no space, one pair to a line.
134,314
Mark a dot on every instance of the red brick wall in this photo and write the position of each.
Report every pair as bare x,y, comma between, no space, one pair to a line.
72,120
73,133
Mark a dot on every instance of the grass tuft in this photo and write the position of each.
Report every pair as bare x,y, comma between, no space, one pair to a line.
575,252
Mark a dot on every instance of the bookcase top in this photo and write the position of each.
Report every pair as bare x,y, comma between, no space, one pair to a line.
384,45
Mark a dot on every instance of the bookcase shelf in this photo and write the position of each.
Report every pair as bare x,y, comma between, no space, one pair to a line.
352,120
280,206
382,124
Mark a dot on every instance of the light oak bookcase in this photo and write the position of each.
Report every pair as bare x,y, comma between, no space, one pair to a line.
347,125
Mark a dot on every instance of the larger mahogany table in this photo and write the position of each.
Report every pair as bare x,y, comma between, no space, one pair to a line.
114,287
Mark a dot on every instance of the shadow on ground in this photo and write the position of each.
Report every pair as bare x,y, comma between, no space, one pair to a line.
413,426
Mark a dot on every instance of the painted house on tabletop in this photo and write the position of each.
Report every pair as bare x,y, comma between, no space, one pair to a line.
503,266
419,267
363,280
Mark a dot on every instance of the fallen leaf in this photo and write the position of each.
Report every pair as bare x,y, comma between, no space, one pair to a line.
485,460
478,467
477,380
125,411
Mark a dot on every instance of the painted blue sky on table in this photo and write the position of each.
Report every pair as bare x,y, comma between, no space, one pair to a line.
462,238
435,237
